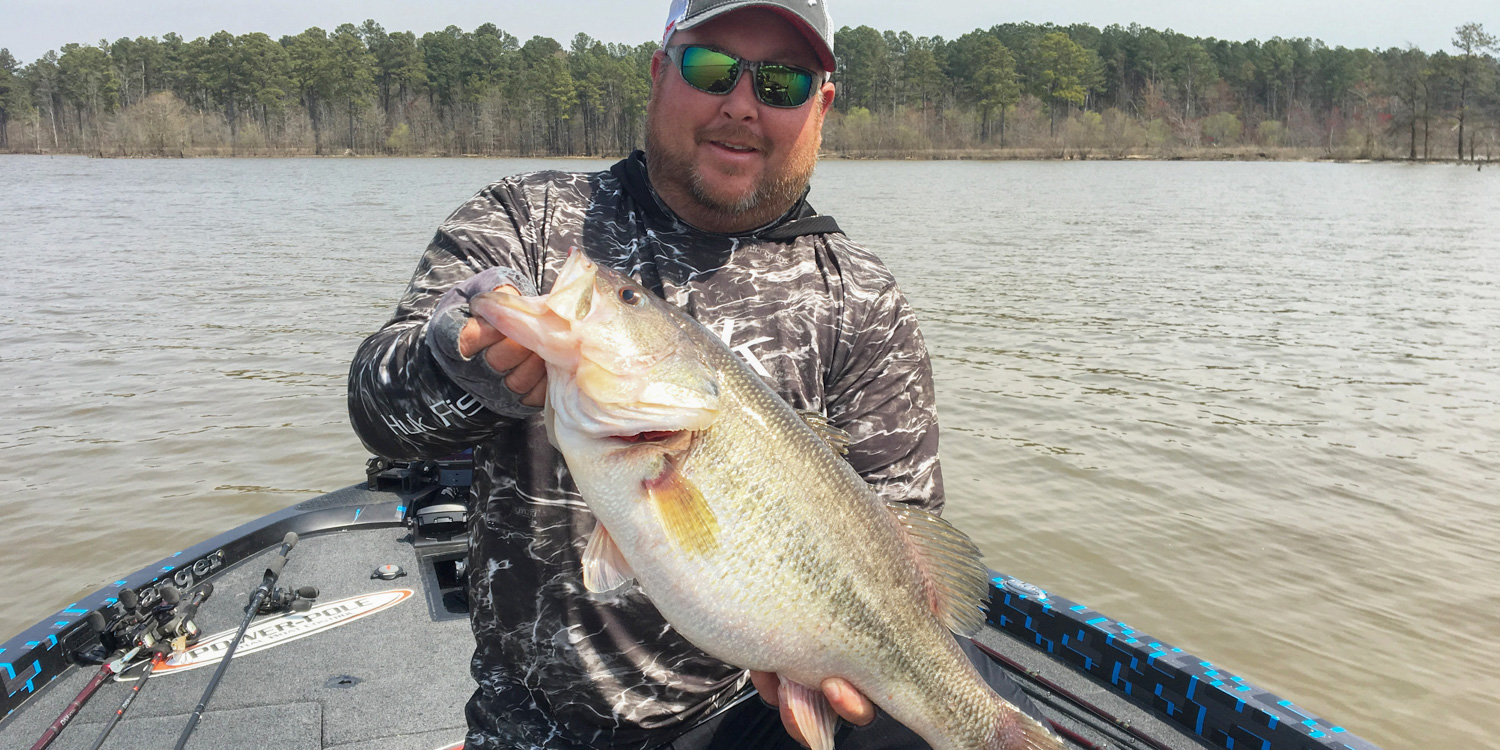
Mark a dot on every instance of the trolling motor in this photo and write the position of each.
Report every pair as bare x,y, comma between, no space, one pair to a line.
287,600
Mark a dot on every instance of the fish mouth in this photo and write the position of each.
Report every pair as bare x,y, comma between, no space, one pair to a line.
665,441
654,436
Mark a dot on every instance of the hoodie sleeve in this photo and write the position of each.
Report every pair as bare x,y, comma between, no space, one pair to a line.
401,402
882,395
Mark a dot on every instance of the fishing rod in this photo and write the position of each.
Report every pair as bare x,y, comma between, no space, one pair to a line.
268,581
158,656
108,668
113,639
131,630
184,630
288,600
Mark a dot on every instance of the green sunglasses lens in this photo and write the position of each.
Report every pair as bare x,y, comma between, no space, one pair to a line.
716,73
707,70
781,86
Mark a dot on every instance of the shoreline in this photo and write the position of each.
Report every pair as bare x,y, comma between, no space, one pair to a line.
1245,154
1307,156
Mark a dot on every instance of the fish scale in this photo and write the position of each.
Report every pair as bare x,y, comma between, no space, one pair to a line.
750,535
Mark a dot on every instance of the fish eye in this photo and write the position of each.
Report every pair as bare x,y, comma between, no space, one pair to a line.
631,297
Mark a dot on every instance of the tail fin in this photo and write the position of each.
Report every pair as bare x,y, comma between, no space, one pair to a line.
1015,730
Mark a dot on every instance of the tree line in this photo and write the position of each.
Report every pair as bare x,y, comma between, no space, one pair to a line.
359,89
1055,90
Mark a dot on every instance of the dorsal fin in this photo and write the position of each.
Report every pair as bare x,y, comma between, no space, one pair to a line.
959,580
836,438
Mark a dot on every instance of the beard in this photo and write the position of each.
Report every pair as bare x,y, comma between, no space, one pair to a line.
773,194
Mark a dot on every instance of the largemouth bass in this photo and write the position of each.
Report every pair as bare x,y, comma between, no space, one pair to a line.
739,520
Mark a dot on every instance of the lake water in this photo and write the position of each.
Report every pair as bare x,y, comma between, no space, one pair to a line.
1251,409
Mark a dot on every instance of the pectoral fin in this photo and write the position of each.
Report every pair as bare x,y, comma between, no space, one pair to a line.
690,524
604,568
814,715
958,580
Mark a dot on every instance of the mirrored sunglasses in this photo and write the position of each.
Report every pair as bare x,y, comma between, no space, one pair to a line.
715,72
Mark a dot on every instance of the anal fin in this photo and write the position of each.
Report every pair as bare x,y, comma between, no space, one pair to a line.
604,568
959,581
814,715
1014,730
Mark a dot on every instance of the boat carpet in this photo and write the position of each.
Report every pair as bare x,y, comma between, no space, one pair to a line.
289,726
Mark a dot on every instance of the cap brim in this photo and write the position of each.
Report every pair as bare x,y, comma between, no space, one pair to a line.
825,55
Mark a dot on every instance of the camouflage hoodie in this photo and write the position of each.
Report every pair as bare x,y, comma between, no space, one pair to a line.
819,317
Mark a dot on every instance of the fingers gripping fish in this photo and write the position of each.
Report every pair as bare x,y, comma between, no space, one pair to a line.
744,526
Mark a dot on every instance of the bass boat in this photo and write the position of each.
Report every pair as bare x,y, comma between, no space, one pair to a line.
360,639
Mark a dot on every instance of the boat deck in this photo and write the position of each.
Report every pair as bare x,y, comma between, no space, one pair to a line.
397,678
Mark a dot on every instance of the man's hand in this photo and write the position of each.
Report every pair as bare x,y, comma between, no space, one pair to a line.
850,704
503,376
528,373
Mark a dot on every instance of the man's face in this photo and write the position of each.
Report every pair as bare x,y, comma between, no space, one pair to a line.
731,163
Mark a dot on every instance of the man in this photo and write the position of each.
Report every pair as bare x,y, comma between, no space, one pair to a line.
712,217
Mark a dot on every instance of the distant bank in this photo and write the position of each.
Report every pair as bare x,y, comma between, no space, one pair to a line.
1014,90
968,154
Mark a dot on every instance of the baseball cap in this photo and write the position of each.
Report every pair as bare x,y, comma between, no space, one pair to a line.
810,16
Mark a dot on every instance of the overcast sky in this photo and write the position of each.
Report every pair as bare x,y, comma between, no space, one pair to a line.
31,27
